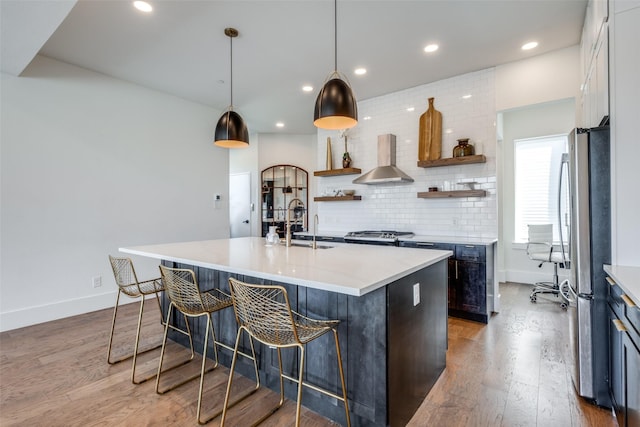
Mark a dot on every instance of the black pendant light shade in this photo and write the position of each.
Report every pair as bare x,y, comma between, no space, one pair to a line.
231,130
336,106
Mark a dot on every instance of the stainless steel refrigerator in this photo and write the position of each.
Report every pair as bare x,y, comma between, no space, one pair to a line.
587,173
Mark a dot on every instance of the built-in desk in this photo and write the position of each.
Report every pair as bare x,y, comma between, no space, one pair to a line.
393,349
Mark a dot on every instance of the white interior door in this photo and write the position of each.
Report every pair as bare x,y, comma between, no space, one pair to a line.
240,204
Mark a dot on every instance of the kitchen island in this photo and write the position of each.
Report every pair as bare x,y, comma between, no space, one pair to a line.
392,304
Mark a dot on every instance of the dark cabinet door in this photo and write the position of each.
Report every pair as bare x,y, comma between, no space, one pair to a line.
452,285
616,367
471,288
632,380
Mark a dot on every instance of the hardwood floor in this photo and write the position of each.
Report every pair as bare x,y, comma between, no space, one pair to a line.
511,372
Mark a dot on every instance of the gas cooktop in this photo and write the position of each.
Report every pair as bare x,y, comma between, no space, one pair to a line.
377,235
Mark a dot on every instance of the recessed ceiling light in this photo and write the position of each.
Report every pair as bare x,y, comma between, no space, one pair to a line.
448,131
367,118
467,96
142,6
360,71
431,48
307,88
280,124
410,109
529,45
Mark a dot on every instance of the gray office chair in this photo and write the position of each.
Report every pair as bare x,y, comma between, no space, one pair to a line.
540,248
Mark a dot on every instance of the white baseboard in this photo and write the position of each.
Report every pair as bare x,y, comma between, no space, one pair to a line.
532,277
44,313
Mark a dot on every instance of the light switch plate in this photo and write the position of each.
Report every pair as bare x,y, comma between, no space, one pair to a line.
416,294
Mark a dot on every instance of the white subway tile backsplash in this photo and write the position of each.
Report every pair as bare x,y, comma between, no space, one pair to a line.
396,206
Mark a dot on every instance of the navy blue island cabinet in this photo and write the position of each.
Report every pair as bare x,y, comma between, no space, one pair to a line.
393,349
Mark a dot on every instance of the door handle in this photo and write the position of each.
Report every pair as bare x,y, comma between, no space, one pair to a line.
246,221
628,301
619,325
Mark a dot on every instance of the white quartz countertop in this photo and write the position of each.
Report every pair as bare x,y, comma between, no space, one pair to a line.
450,239
628,278
343,268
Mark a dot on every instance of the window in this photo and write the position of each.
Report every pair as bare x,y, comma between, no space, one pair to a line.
537,182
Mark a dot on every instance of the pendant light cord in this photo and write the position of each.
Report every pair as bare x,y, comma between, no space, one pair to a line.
231,66
335,35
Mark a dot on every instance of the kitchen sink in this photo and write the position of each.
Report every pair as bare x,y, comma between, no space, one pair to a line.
308,245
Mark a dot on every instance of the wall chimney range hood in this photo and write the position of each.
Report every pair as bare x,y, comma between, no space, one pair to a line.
386,172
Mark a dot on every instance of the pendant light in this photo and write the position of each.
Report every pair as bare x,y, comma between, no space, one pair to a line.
231,131
336,106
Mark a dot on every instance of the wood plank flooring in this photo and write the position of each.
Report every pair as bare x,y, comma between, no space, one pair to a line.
512,372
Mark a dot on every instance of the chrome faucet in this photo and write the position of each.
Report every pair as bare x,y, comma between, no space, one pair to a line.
287,240
315,225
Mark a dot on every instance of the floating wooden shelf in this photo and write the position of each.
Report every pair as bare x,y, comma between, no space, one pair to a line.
446,194
452,161
333,172
336,199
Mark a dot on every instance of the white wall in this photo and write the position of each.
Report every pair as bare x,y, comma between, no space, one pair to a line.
90,164
542,78
531,82
269,149
396,206
529,122
246,160
298,150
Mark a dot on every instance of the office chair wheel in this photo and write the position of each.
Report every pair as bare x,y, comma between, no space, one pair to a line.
533,298
564,305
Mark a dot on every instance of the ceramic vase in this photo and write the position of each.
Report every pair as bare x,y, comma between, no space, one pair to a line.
463,148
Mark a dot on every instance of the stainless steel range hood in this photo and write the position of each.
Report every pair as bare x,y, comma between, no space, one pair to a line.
386,170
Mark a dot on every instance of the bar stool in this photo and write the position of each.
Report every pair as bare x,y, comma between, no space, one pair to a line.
184,294
265,314
128,284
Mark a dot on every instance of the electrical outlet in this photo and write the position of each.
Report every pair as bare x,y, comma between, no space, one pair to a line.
416,294
97,281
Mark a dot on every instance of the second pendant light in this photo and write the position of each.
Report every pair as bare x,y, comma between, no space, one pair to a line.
336,107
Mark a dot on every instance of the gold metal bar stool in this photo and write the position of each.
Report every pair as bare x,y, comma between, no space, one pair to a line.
183,292
265,314
128,283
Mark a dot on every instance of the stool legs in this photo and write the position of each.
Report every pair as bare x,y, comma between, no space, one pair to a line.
162,352
300,375
228,405
342,382
136,350
299,380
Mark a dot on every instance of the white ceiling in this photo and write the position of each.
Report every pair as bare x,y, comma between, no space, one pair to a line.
180,48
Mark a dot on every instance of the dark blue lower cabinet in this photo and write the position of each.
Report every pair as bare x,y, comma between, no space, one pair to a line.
470,272
624,359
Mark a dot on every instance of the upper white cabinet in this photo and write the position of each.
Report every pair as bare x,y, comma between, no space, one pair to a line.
595,63
625,114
